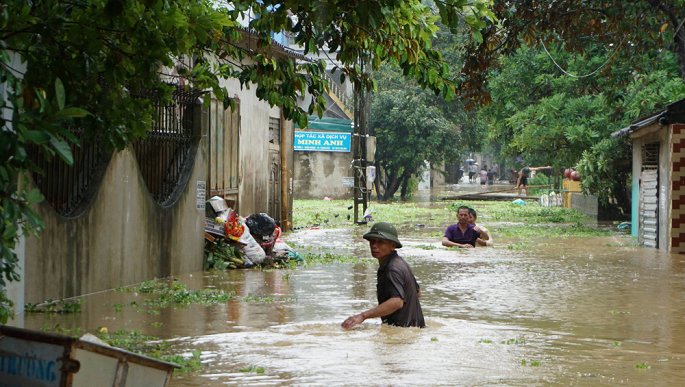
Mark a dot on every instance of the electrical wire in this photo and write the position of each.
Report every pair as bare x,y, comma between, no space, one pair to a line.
585,75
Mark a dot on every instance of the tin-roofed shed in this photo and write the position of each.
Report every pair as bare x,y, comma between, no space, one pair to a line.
658,186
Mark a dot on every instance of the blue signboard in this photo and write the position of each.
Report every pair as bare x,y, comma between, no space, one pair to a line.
323,141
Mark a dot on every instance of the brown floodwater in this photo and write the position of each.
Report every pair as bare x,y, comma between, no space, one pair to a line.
567,311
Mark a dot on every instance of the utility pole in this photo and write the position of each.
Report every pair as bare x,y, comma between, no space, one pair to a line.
362,190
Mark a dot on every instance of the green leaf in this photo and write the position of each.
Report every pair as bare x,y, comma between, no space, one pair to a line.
34,196
59,93
71,112
36,136
62,149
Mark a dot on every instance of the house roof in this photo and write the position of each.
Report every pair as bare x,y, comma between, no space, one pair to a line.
673,113
251,42
328,124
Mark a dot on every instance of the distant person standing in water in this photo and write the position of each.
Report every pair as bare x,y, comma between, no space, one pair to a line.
483,174
473,169
523,175
396,288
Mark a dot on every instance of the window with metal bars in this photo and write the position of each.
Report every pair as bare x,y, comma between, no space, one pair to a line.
69,188
650,156
275,130
164,155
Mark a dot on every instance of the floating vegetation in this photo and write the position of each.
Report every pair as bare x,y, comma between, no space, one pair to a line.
253,368
515,341
188,364
618,312
530,363
643,366
172,292
485,341
267,299
134,341
327,258
55,307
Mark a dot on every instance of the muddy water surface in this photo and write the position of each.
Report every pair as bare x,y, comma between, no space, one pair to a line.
581,311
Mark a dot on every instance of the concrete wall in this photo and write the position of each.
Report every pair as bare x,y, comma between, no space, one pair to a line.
587,204
123,238
320,174
438,175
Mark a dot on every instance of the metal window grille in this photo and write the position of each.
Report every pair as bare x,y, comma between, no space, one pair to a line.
275,130
650,156
69,188
164,154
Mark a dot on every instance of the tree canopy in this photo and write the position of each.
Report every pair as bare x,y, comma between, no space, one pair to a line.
410,130
545,116
580,26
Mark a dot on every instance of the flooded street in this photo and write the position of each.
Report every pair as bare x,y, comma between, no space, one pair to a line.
566,311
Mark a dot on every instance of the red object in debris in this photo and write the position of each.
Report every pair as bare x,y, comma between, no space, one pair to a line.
575,176
567,173
233,228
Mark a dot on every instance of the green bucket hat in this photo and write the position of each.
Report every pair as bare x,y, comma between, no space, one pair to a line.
383,230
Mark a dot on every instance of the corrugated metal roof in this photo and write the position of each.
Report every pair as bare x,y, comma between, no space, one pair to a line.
673,113
251,34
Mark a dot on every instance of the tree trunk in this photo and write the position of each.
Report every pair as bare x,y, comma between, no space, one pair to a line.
381,181
404,183
392,186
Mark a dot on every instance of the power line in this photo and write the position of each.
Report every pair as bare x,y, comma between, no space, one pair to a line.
585,75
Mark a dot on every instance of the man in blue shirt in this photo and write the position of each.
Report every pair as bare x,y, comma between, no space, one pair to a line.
463,234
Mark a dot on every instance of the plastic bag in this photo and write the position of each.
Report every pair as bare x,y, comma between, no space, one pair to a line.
261,225
252,250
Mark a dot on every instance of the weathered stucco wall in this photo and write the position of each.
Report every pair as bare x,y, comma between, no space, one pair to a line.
320,174
123,238
254,148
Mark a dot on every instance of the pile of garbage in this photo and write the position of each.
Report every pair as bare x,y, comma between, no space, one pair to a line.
243,242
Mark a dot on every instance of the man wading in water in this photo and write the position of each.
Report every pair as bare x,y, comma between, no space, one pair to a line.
396,288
